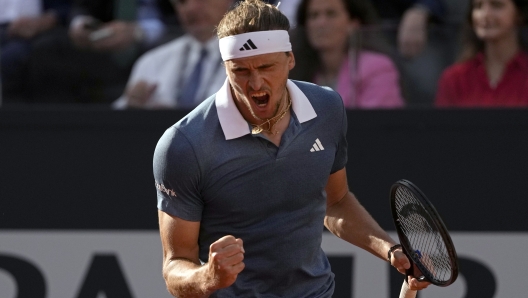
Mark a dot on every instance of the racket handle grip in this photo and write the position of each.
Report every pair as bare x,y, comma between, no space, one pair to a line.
406,292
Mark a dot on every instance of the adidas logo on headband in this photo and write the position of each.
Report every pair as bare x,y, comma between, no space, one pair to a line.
271,41
249,45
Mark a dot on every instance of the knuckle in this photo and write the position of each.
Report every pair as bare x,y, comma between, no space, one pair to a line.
215,257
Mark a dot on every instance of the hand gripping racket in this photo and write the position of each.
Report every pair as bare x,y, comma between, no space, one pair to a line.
423,236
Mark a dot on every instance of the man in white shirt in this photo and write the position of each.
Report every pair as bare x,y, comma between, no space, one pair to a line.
161,77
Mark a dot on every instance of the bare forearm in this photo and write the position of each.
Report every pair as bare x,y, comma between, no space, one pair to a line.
185,279
350,221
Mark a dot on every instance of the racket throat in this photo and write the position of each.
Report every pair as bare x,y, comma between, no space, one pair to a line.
415,272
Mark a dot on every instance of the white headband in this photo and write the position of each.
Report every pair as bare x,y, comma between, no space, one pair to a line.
254,43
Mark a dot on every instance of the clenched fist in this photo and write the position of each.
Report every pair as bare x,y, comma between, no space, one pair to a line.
226,257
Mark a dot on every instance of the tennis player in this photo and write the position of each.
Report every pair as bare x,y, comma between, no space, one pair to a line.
247,181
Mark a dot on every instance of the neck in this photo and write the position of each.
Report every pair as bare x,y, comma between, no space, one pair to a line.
498,54
202,37
331,62
503,50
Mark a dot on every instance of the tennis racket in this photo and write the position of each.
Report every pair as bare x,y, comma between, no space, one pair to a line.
423,236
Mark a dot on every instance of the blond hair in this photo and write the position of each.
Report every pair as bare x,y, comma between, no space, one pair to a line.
252,16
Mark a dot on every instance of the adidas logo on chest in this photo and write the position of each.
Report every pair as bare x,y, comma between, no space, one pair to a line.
317,146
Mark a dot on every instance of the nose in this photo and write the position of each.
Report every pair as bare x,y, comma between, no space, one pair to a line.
255,80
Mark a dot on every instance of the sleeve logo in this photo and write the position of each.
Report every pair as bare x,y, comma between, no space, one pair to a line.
162,188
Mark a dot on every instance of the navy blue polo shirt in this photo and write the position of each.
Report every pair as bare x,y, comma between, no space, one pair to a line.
209,168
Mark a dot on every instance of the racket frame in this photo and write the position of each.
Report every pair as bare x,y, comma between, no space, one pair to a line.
438,223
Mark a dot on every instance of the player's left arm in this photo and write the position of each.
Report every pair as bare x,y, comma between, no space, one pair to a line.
349,220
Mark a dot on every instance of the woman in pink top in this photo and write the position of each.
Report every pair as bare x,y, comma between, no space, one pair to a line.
365,79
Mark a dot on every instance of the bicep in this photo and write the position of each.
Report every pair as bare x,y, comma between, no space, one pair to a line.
179,238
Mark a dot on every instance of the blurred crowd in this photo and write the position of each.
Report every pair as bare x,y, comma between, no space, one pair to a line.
163,54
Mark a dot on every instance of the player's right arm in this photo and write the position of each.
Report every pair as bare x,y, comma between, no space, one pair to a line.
182,270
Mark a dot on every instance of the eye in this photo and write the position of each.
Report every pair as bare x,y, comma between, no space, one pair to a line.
312,15
265,67
240,71
497,4
331,13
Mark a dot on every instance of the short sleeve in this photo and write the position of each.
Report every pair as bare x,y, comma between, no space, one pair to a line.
341,156
177,176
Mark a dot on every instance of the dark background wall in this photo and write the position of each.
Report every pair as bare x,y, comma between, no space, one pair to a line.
91,168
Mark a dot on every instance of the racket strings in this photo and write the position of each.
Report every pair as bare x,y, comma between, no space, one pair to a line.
428,247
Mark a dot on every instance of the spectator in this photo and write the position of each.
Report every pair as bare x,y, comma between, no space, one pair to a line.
164,76
363,77
411,18
21,24
493,71
91,63
422,43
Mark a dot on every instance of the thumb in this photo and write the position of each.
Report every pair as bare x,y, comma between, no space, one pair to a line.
400,261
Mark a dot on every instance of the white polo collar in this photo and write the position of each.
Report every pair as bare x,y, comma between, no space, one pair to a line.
235,126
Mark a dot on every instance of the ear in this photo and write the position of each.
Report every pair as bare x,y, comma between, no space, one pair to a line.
291,61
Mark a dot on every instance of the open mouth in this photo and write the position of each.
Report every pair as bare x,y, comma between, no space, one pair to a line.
261,99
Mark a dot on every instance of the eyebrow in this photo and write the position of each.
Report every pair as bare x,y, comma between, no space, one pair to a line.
236,67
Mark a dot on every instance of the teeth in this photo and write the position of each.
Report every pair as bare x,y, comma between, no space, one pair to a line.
258,94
